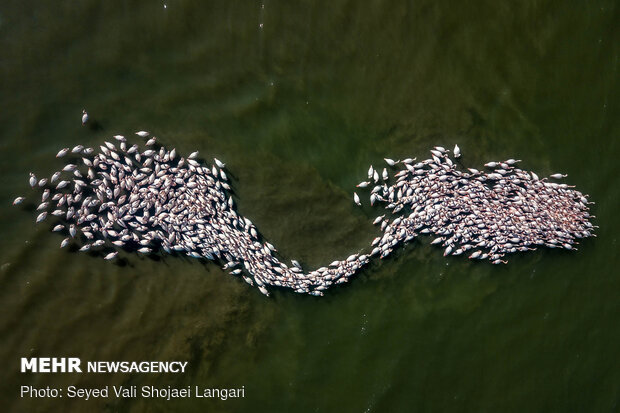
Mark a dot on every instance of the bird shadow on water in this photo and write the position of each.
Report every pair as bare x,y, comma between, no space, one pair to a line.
95,125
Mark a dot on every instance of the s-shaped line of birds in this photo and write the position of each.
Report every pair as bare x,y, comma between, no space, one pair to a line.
143,197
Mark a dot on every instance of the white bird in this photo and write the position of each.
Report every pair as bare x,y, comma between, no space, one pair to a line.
475,254
193,155
363,184
385,175
457,151
62,152
55,177
142,134
41,217
120,138
558,176
391,162
219,163
111,255
356,199
18,200
33,180
370,172
151,141
84,117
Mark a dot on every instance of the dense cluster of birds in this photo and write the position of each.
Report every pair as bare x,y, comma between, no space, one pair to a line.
142,197
484,214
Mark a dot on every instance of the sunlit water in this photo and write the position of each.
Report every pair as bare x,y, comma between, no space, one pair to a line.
299,99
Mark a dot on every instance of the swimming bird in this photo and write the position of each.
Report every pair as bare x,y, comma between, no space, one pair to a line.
356,199
457,151
18,200
84,117
62,152
558,176
142,134
111,255
219,163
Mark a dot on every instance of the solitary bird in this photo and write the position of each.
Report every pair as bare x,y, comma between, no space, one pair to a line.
84,117
356,198
62,152
457,151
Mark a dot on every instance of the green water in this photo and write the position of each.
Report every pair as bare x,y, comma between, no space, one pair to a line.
298,108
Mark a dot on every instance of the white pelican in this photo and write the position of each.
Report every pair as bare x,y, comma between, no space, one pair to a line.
457,151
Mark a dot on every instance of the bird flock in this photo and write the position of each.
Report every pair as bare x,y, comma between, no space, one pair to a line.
142,197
